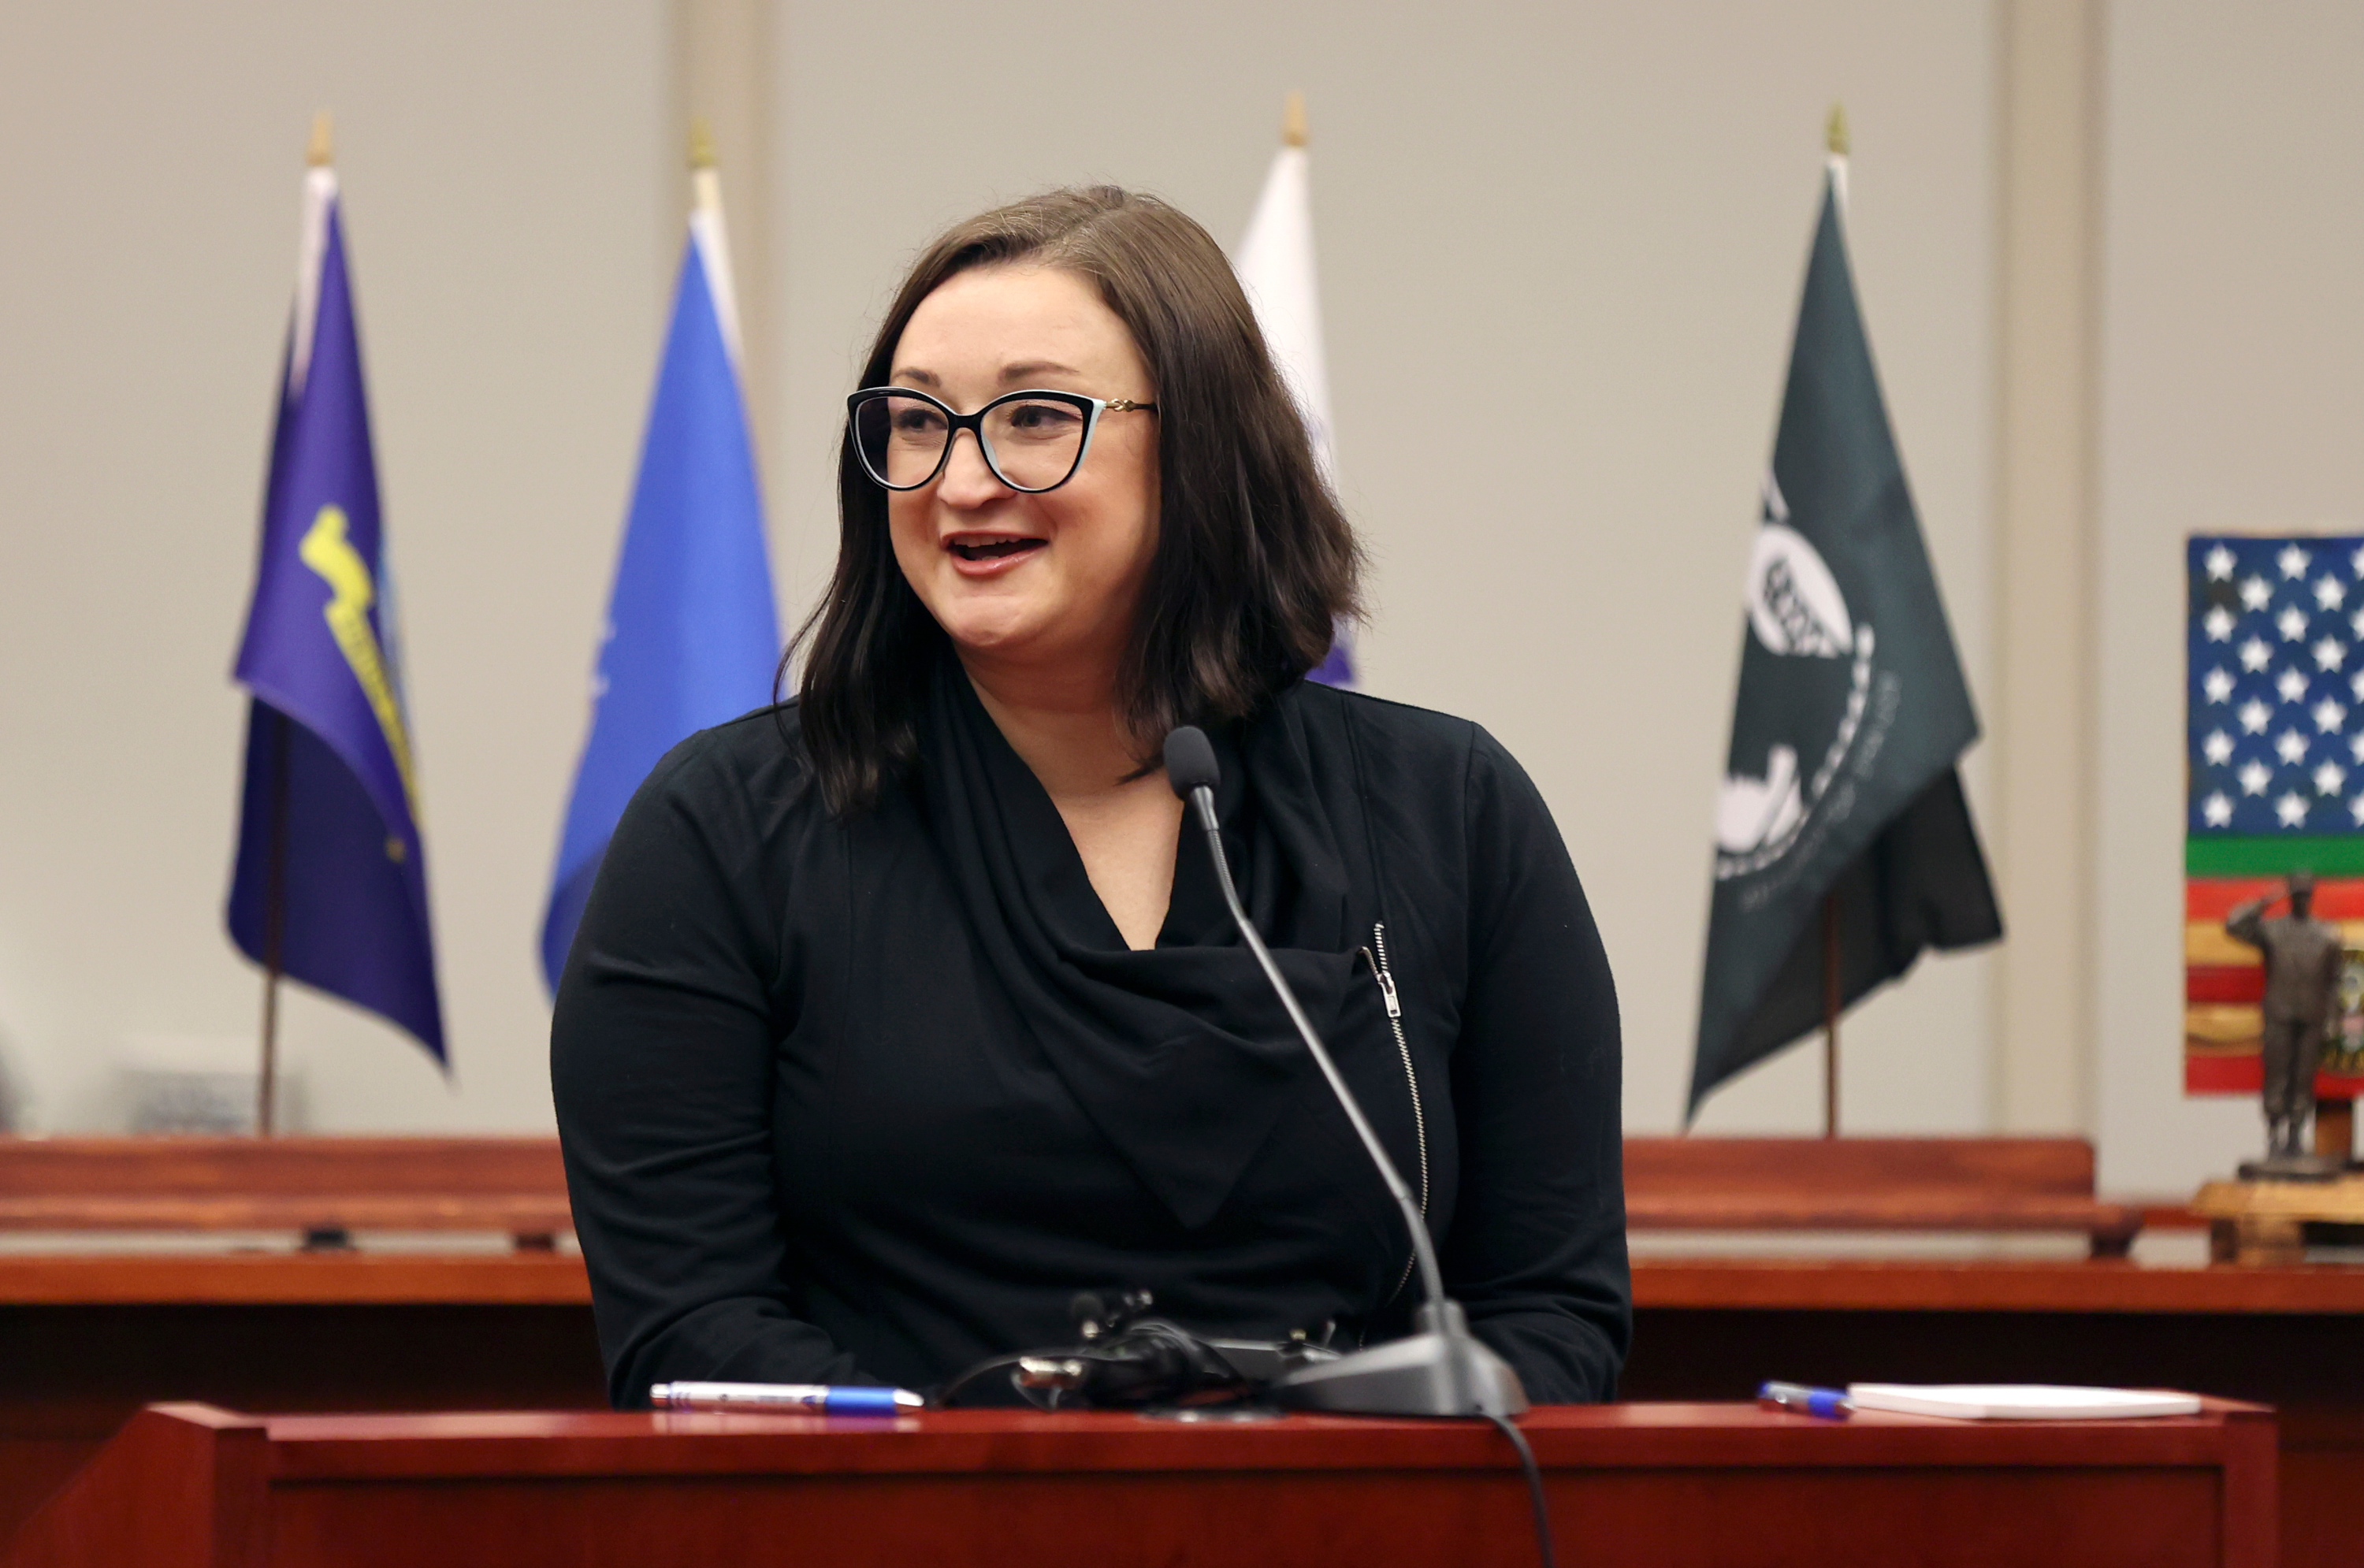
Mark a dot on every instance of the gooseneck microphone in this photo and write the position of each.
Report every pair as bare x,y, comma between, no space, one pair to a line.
1442,1369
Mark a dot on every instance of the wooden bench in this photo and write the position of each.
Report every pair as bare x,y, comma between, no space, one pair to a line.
325,1188
1873,1184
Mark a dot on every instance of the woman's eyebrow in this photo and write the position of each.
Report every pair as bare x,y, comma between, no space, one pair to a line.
1027,370
918,377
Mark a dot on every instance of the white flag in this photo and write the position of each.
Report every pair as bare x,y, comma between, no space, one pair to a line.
1275,263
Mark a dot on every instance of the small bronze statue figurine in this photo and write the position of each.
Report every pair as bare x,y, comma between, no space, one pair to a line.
2303,958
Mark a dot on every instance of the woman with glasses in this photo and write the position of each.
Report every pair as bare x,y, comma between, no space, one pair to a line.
903,1013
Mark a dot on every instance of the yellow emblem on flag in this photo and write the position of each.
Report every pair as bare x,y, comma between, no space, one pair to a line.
351,592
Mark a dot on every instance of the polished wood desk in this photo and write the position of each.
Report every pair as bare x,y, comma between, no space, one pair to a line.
193,1486
85,1342
2289,1337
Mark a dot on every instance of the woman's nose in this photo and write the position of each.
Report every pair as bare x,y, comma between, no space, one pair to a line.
968,480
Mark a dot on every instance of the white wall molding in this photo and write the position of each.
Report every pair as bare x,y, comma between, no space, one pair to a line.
2047,252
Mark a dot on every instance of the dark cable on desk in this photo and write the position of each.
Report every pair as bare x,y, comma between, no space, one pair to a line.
1534,1488
943,1398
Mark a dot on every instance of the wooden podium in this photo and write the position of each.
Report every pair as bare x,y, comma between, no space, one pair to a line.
1665,1485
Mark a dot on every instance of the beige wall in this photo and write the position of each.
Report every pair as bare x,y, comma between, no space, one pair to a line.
506,169
1597,214
1604,206
2232,397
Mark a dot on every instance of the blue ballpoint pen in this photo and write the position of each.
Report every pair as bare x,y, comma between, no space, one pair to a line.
828,1399
1830,1403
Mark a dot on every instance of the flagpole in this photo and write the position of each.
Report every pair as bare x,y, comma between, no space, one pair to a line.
274,923
319,152
714,238
1833,993
1837,143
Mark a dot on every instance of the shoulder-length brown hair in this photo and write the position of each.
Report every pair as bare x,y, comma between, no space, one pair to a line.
1254,566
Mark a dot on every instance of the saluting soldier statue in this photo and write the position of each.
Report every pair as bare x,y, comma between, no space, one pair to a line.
2303,958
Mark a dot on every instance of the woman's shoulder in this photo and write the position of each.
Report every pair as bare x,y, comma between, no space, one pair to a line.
1437,748
758,757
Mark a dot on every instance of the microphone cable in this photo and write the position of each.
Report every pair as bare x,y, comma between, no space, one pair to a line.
1534,1487
1128,1361
942,1399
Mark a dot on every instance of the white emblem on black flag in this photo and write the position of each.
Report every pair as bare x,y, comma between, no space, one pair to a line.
1844,845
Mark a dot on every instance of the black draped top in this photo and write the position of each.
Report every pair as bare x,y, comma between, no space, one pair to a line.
870,1099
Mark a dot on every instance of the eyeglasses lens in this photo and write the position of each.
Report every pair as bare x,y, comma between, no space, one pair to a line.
902,440
1035,442
1032,443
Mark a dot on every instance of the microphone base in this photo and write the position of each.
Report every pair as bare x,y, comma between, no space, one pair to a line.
1442,1370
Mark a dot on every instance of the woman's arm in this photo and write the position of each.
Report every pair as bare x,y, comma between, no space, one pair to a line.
1537,1249
660,1057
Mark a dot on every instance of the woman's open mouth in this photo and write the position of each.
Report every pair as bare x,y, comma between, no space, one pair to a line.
981,554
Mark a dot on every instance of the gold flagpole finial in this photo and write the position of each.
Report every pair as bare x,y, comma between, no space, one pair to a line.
1292,121
320,151
1835,130
701,145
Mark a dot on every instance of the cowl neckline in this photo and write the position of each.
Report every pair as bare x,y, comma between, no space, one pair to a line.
1180,1054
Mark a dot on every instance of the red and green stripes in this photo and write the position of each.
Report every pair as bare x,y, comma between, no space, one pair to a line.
2228,855
2223,982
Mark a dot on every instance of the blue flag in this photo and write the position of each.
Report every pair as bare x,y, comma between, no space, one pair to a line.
330,883
692,632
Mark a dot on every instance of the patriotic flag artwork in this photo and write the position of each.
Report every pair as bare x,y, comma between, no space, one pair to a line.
1275,263
329,887
2275,696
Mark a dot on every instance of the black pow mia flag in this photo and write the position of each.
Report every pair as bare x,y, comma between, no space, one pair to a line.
1851,715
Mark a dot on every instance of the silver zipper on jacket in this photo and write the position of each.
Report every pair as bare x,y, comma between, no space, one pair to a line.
1380,973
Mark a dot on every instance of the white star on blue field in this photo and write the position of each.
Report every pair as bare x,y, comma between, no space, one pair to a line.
2277,685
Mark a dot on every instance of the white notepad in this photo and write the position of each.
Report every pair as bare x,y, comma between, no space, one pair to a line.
2019,1401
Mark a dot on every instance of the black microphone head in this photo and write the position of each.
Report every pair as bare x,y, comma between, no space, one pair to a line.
1190,761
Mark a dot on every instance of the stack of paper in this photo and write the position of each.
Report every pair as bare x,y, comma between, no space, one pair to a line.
2019,1401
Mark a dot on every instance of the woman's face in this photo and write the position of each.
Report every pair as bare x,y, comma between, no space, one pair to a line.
1018,579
